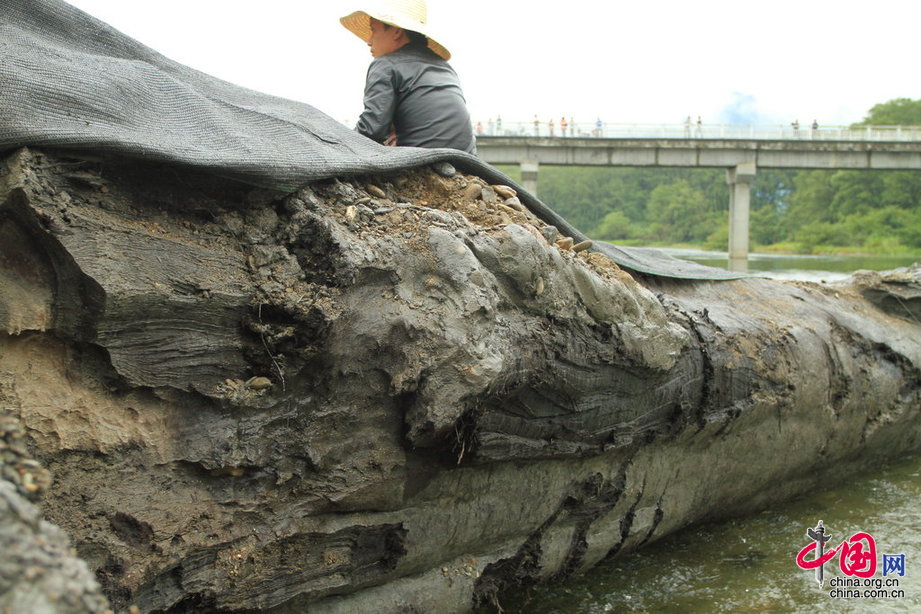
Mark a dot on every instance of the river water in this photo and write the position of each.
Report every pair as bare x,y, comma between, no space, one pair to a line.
749,564
796,267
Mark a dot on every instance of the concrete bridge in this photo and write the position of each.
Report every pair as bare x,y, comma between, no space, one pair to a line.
741,150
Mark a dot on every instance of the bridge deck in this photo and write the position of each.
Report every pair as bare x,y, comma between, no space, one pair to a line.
701,152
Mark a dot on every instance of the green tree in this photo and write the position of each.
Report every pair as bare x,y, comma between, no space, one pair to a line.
679,212
896,112
615,225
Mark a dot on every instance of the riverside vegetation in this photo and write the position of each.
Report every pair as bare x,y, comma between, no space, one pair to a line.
842,211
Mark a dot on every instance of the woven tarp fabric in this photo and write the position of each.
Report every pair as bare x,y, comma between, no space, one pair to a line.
68,80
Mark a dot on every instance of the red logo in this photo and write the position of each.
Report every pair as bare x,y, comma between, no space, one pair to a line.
857,554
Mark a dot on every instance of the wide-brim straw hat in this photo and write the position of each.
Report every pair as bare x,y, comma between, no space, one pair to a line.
406,14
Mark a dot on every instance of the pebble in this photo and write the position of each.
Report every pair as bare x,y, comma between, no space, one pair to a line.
477,279
539,286
514,203
473,191
258,383
488,194
505,191
373,190
565,243
550,233
445,169
582,246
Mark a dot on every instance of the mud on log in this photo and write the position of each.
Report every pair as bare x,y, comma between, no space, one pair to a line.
399,391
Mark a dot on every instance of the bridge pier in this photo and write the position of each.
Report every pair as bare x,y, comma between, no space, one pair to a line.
529,176
739,179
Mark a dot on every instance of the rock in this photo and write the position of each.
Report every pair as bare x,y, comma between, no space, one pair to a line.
445,169
565,243
515,204
505,192
550,233
39,572
473,191
582,246
259,383
375,191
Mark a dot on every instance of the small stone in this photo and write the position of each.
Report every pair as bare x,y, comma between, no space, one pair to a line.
258,383
445,169
582,246
539,286
477,279
550,233
505,191
488,194
351,212
473,191
373,190
565,243
514,203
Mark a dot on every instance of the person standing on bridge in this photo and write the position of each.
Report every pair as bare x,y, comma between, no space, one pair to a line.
412,95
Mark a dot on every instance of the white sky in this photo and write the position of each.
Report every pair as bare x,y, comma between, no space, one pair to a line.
626,61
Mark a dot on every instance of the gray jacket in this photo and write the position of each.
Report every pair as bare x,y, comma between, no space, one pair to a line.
420,94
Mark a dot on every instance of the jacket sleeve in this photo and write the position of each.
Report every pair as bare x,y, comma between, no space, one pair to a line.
380,102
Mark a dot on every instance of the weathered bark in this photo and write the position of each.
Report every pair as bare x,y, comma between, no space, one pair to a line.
252,402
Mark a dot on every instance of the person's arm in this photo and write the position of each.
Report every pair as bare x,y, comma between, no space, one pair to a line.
380,102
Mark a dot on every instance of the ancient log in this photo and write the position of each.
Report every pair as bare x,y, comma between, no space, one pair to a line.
398,391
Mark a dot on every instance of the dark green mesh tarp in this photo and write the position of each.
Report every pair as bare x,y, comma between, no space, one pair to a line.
68,80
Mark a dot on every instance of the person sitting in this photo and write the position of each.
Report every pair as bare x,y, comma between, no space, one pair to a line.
412,95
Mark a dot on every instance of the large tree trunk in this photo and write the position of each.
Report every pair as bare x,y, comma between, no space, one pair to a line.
390,392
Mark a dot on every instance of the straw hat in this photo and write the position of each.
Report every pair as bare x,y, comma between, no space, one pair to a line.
406,14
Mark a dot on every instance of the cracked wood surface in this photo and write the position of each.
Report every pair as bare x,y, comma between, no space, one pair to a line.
253,401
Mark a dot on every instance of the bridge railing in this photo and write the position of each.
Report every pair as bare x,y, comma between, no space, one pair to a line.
698,131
